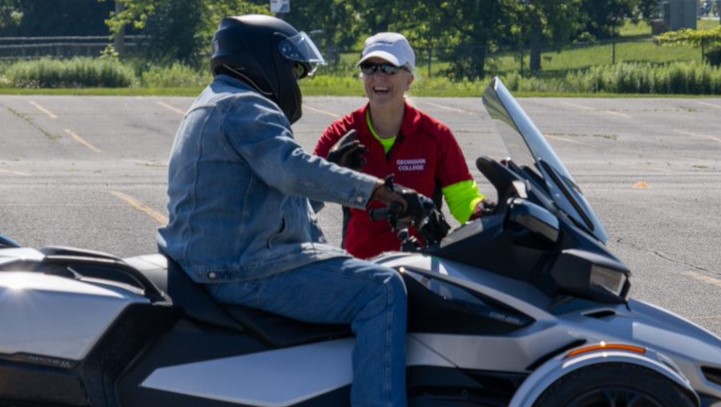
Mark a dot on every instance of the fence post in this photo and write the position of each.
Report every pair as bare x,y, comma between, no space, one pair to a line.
613,52
119,37
430,57
520,48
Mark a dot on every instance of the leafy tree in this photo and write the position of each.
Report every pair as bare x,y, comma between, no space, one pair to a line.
605,18
334,25
561,21
461,31
547,22
473,28
177,30
465,31
36,18
10,14
344,24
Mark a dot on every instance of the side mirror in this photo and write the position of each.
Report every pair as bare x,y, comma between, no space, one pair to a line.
534,218
591,275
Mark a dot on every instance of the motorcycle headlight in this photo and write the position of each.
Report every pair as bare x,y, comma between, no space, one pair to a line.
591,275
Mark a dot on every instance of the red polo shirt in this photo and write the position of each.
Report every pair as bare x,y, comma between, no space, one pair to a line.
425,157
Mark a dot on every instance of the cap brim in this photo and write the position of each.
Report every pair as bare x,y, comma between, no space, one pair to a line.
382,55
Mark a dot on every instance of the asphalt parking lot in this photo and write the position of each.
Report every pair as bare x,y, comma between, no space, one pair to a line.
91,172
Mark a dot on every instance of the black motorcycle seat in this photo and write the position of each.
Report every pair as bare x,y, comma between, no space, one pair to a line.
274,330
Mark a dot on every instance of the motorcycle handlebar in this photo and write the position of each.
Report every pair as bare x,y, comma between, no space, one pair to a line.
394,209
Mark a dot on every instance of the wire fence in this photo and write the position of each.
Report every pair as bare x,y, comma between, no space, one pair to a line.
430,61
13,48
448,61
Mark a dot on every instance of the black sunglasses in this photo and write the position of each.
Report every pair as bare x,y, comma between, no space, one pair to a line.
369,68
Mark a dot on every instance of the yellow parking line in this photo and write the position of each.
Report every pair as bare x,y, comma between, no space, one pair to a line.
82,141
577,106
173,108
566,139
20,173
707,104
331,114
624,115
688,133
159,217
452,109
44,110
703,278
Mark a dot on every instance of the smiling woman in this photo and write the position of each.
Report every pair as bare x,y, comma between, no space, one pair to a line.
396,139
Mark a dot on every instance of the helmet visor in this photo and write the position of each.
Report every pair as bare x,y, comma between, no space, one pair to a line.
300,48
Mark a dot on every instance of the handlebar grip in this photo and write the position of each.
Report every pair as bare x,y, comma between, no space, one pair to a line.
393,209
379,214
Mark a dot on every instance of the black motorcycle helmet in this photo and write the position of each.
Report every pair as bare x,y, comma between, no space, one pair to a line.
268,54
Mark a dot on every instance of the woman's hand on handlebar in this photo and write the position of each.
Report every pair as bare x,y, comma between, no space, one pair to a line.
483,208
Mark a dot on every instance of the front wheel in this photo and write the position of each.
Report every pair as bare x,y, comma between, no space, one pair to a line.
614,385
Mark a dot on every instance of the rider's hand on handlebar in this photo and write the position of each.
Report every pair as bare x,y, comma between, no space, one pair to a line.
409,200
348,152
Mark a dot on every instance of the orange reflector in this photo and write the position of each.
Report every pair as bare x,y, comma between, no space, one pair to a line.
641,185
605,347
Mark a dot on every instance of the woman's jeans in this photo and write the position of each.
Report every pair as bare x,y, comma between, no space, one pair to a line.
370,297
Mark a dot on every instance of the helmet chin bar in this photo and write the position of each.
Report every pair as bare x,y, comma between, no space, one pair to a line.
293,116
249,81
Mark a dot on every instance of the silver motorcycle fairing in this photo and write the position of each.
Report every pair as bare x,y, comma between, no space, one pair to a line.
306,371
666,336
54,320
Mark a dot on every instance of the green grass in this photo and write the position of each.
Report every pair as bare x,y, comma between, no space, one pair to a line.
635,45
184,91
558,63
582,63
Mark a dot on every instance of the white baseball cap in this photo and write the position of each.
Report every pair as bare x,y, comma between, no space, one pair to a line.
392,47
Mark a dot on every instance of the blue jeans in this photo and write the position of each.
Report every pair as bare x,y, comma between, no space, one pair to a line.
370,297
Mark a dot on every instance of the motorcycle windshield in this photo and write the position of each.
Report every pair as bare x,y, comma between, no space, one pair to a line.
529,149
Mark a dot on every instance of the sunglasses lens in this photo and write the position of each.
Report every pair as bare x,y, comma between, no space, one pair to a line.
370,69
366,70
389,69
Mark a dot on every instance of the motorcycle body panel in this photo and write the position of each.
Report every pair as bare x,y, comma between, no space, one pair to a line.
55,317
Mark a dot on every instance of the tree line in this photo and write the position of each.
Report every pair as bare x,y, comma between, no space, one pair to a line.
180,31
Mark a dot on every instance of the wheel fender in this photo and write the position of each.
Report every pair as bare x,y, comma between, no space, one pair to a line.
550,371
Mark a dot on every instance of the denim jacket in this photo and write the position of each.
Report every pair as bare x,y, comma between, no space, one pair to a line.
239,188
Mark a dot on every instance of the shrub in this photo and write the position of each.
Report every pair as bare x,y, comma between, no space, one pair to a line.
713,56
174,76
672,78
71,73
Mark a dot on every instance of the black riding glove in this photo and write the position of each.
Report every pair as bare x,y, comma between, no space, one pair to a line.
348,152
409,202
